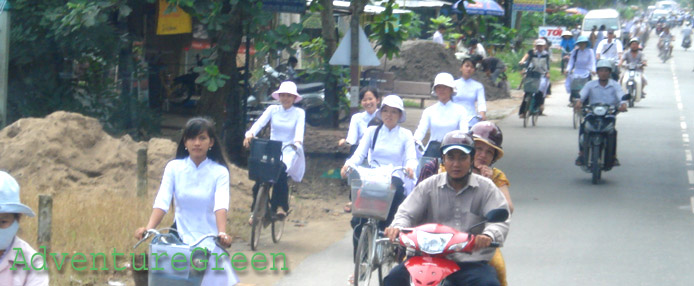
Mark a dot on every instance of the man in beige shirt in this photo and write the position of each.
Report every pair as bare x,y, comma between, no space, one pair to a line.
459,199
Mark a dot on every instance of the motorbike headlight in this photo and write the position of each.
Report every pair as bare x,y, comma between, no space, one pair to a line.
632,73
433,243
600,110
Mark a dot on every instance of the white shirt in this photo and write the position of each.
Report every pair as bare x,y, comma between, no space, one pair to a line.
438,37
20,276
468,92
480,50
440,119
393,147
584,64
286,125
613,52
198,192
357,126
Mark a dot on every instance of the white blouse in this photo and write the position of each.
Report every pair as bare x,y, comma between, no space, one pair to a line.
286,125
357,126
198,192
440,119
393,147
468,92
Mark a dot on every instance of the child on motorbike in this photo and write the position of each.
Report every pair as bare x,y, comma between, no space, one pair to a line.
11,212
198,181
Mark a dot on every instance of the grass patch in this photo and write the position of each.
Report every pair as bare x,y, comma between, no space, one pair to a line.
514,79
411,103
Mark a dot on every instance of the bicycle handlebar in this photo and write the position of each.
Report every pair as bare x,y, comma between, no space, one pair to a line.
155,232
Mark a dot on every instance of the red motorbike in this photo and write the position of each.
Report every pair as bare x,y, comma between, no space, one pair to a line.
428,245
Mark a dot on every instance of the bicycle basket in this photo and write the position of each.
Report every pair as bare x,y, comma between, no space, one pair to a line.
371,199
577,83
164,271
531,85
265,160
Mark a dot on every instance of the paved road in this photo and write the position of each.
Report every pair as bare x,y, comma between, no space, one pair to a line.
635,228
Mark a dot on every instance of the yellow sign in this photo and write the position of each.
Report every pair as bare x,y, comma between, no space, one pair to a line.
175,22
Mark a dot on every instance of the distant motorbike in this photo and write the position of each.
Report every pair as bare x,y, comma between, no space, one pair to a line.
632,82
429,245
665,50
313,101
598,123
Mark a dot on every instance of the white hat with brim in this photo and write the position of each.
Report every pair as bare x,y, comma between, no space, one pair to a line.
287,87
445,79
9,196
465,149
393,101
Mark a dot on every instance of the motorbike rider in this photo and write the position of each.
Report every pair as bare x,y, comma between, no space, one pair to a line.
664,36
447,198
581,64
610,49
386,144
537,61
603,90
567,45
634,55
442,117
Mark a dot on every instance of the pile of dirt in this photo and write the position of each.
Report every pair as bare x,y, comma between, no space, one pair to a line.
421,60
69,151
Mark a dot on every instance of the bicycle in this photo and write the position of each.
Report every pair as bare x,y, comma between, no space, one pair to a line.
372,196
167,271
265,165
532,110
578,115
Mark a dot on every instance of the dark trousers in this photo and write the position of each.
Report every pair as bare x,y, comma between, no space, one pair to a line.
539,100
357,223
470,274
280,192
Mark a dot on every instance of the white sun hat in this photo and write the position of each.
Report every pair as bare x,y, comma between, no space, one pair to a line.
393,101
444,79
540,42
287,87
9,196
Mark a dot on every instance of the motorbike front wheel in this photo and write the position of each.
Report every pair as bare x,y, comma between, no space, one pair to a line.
363,262
633,96
595,163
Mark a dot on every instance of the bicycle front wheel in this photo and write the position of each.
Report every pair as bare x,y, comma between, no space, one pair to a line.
259,210
363,264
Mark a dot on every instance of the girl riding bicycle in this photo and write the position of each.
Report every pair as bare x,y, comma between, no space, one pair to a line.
198,182
287,124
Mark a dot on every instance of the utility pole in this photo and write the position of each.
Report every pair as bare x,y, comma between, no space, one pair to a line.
356,7
4,59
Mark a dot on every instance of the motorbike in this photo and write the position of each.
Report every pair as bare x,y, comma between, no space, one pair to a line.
632,82
665,50
313,94
687,42
429,245
598,124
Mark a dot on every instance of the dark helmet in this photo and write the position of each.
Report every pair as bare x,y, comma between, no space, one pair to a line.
489,133
459,140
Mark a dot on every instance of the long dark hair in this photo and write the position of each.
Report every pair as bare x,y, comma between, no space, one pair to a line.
193,128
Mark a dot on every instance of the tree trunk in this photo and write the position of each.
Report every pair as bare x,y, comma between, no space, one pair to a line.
125,69
328,33
225,105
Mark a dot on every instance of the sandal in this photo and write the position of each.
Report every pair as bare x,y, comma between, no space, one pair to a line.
350,280
348,207
250,220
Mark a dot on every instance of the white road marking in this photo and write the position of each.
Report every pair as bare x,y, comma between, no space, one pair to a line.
690,174
679,106
692,203
685,138
688,155
683,125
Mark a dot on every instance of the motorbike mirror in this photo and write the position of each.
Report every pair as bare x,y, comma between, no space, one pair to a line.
497,215
626,96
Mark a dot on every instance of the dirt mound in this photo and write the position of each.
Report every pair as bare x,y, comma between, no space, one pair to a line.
421,60
69,151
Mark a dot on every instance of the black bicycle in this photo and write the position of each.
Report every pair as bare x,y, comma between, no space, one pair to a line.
264,167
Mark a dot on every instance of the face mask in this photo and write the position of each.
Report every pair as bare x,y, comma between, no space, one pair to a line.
7,235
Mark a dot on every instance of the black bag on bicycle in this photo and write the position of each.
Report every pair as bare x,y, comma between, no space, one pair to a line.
265,160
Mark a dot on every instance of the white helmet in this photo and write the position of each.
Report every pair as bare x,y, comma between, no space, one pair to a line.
540,42
567,33
395,102
444,79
